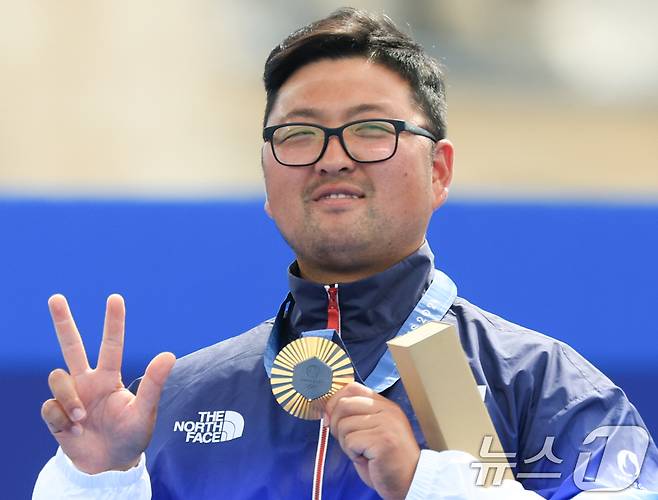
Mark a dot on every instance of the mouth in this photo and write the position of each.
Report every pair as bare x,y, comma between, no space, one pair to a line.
338,196
337,193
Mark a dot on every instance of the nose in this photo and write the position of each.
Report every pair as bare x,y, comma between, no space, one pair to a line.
335,159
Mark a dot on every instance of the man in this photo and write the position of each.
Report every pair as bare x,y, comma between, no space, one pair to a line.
355,161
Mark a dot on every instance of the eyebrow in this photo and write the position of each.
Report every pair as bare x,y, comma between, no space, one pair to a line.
316,114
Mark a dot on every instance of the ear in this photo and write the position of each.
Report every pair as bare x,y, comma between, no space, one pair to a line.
267,208
441,171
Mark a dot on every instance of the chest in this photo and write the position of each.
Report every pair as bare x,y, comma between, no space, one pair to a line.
238,443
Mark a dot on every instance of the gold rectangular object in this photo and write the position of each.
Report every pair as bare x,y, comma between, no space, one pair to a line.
445,396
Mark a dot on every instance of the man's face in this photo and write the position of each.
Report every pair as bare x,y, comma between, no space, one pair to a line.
353,237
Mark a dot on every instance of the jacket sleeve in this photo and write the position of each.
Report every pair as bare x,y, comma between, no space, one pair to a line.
449,475
61,480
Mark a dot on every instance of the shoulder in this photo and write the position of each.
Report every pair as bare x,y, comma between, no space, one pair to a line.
539,384
519,355
211,364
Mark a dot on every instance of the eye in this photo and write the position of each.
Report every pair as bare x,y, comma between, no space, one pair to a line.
372,129
295,133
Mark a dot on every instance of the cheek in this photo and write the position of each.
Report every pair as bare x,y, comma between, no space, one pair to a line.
409,187
284,187
276,194
272,174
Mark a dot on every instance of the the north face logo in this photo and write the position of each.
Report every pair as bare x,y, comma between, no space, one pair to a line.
211,427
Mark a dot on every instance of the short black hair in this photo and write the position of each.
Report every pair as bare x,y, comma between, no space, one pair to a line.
350,32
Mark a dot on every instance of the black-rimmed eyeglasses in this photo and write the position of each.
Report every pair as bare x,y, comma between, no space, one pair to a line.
364,141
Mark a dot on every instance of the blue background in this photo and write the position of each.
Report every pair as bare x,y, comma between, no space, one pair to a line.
193,273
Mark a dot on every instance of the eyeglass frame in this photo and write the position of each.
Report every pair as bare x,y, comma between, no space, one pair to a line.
399,125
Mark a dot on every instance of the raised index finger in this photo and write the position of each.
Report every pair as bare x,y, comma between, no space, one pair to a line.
68,336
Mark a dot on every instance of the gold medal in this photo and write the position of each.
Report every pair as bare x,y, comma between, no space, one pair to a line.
306,373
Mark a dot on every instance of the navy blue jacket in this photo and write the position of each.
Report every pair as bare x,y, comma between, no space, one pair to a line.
221,434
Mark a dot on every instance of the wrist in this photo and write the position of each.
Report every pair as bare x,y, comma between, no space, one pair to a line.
92,468
411,472
109,478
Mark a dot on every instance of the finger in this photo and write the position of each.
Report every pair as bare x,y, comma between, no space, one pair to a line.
351,389
148,392
361,444
63,389
111,351
353,405
55,418
68,336
357,423
354,423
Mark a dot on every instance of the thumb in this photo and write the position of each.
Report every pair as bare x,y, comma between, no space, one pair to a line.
150,388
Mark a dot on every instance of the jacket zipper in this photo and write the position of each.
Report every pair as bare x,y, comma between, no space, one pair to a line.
333,311
333,323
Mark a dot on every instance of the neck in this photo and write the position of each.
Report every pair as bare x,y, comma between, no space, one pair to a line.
321,273
329,276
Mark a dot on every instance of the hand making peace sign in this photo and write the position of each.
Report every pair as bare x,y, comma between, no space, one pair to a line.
100,424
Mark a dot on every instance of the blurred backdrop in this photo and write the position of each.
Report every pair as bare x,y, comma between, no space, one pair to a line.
129,162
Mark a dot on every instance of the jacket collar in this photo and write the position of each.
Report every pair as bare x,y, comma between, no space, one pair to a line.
376,306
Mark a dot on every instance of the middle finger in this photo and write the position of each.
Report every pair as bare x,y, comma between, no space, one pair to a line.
111,350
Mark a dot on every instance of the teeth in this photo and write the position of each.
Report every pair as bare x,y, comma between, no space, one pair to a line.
338,196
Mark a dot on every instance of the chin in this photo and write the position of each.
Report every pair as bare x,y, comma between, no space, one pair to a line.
343,254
